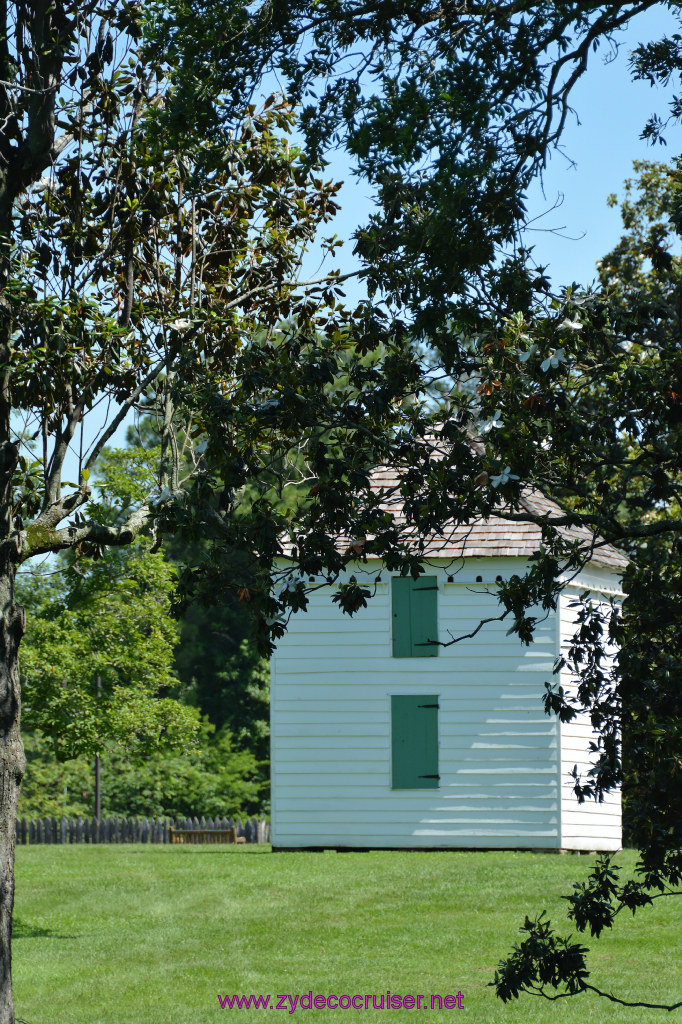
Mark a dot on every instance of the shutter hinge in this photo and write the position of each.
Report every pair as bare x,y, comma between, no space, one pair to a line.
425,588
428,776
428,706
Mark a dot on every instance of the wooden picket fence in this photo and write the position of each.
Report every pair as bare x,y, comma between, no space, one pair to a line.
138,830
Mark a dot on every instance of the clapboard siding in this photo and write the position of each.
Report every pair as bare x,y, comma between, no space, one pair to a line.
575,818
309,710
423,827
500,757
331,724
461,805
466,838
308,672
401,816
478,691
454,747
367,638
357,655
541,792
590,825
324,735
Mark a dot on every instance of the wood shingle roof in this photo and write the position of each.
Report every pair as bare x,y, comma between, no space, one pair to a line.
495,536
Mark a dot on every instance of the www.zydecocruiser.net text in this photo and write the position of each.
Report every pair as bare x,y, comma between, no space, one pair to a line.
384,1001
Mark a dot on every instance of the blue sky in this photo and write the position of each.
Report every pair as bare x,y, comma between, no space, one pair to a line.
612,112
599,150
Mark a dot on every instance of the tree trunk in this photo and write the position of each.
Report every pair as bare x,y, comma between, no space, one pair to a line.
12,760
12,763
44,32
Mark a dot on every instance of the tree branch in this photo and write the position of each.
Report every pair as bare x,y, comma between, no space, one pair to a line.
585,987
130,401
37,539
607,22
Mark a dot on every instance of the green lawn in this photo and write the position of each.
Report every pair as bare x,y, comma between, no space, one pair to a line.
133,934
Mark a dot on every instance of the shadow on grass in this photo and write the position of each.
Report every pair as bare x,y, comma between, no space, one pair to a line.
20,930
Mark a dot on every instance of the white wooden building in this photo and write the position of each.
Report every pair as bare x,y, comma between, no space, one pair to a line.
380,739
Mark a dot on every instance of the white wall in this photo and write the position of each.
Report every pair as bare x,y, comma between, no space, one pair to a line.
590,825
499,756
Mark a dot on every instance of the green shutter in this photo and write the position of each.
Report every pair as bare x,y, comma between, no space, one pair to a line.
415,616
424,610
402,626
414,742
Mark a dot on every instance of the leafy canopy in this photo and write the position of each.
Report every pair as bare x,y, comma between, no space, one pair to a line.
190,296
97,661
449,109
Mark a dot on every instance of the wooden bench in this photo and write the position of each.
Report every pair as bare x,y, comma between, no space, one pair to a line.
205,835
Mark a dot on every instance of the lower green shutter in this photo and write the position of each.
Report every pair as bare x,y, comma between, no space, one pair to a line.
414,742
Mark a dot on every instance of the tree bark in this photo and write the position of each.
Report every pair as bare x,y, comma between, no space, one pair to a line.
12,763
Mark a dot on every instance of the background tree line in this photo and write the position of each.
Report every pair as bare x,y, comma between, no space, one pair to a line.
105,659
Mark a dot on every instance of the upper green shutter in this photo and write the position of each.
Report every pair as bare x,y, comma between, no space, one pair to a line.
402,620
415,616
424,609
414,742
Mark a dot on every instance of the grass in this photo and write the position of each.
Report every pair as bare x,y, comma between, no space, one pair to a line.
132,934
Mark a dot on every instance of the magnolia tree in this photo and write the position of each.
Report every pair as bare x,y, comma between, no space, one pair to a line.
449,110
152,221
144,264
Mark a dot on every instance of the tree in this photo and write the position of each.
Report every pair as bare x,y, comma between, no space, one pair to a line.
449,109
97,661
138,267
210,777
54,788
100,661
216,658
97,678
214,778
152,225
641,282
224,674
